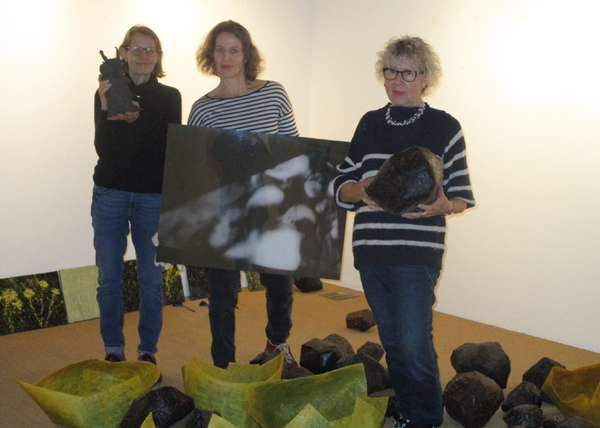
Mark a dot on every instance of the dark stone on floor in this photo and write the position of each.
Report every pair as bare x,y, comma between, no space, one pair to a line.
307,285
552,420
197,419
527,415
167,404
262,358
319,356
374,372
524,393
487,358
538,373
407,179
472,399
295,372
574,421
361,320
342,343
372,349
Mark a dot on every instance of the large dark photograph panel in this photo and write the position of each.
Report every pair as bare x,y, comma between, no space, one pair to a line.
249,201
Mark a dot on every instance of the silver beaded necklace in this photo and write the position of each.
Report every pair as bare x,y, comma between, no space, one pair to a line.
417,115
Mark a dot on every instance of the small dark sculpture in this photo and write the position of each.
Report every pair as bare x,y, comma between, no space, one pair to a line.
407,179
118,97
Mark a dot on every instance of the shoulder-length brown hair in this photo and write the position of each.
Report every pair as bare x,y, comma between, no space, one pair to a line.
253,62
142,29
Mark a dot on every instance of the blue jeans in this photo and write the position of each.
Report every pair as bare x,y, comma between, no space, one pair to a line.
223,286
401,298
113,211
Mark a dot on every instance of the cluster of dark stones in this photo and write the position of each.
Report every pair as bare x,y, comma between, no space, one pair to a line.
318,356
474,395
170,408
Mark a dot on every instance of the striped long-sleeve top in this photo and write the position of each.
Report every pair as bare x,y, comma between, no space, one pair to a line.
384,238
267,110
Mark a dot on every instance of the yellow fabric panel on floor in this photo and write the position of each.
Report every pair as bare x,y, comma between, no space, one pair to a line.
576,391
216,389
92,393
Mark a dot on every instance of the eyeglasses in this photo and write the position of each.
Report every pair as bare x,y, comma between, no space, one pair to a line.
137,50
407,75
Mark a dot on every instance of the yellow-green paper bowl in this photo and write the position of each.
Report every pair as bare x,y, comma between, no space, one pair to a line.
92,393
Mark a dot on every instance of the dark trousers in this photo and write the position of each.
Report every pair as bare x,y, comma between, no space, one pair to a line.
223,286
402,298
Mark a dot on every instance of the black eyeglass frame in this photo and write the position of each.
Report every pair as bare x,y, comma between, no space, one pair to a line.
137,51
402,73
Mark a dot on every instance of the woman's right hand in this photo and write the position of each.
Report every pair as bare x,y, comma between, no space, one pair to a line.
102,88
128,117
355,192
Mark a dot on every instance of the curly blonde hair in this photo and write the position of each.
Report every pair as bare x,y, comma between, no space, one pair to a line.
416,50
253,62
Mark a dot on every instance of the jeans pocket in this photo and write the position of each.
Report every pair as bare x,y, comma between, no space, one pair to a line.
101,190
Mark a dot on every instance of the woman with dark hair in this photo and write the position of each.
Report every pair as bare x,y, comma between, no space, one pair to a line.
242,102
399,257
127,191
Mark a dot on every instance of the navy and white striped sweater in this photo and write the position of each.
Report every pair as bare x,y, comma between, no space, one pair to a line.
383,238
266,110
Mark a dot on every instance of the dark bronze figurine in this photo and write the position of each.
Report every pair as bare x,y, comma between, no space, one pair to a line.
119,97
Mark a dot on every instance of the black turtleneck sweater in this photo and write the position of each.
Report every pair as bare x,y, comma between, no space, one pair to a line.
131,156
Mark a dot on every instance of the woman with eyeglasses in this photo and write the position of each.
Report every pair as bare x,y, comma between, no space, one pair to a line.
399,257
242,102
127,191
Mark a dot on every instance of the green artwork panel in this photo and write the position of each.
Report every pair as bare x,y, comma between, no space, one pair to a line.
197,282
31,302
254,283
173,289
79,287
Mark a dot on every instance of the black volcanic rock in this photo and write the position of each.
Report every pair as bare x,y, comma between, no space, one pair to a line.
374,372
361,320
306,285
372,349
319,356
342,343
527,415
407,179
538,373
487,358
167,404
472,399
524,393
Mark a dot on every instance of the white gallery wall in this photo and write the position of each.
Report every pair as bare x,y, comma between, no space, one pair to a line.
519,76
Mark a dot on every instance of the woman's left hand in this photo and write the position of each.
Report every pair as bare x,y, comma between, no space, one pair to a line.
441,206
